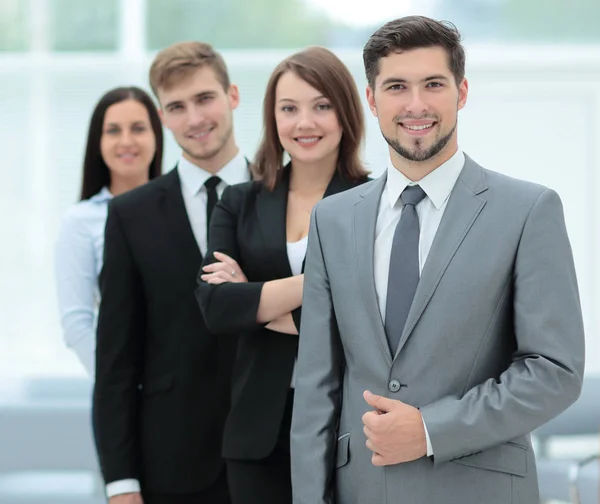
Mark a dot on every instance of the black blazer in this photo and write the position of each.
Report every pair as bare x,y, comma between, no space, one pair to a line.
249,224
162,379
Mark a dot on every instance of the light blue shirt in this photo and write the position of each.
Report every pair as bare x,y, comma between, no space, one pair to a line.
78,262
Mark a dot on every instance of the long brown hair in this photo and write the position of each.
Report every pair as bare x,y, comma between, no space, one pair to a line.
325,72
96,174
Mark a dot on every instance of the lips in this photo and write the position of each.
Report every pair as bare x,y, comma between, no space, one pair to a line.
127,156
200,135
418,127
307,141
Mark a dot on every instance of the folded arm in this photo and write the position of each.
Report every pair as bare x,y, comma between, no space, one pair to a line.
230,305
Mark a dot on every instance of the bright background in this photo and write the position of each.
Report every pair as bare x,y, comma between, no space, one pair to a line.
533,112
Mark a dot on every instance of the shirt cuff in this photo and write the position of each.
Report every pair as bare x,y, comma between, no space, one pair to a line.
122,487
429,447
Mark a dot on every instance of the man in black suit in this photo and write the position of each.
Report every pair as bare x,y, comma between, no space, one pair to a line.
162,379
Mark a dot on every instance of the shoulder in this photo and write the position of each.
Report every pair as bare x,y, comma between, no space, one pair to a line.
347,198
516,197
142,196
244,189
84,215
238,196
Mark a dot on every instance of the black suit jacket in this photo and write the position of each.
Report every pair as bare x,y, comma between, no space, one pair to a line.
249,224
162,379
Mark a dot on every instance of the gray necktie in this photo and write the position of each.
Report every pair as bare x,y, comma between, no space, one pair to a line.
404,267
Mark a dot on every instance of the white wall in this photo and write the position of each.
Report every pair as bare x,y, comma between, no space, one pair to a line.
532,113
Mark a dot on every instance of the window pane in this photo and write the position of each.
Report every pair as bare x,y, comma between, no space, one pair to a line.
78,25
237,24
13,28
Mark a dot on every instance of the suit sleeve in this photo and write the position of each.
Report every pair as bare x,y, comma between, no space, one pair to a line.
120,336
546,371
320,369
228,308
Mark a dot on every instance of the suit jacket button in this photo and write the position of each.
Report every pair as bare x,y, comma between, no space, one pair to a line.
394,386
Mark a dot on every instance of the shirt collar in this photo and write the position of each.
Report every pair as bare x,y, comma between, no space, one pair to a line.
102,195
193,177
437,185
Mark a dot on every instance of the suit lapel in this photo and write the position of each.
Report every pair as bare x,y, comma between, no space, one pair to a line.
337,184
463,209
177,218
271,207
365,219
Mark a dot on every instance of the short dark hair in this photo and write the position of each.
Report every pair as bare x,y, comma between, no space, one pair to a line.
414,32
324,71
96,174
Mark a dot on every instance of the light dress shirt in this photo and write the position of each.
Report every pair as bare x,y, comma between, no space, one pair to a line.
78,262
437,186
193,190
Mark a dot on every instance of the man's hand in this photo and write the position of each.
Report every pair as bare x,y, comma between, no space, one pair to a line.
394,431
224,270
128,498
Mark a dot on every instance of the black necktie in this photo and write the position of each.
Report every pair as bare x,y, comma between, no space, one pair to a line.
211,200
404,267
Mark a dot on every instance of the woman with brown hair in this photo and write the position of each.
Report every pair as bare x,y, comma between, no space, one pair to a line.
250,285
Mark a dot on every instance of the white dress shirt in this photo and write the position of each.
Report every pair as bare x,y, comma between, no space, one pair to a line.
78,262
195,197
437,186
194,191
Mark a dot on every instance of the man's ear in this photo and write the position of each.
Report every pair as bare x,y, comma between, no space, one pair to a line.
371,100
234,96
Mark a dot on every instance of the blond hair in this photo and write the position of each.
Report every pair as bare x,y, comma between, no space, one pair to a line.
178,61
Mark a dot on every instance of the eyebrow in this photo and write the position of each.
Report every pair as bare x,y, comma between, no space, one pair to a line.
118,125
321,97
398,80
196,96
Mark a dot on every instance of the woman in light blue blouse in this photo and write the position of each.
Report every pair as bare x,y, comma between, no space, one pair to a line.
124,150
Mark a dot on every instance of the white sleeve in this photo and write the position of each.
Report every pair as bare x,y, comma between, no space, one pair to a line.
122,487
76,285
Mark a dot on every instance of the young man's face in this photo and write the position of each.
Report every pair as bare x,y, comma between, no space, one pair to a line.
416,100
199,113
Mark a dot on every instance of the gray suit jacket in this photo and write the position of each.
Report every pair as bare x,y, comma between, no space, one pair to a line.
493,347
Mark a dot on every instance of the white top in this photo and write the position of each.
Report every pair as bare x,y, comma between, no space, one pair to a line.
78,262
296,252
194,191
195,197
437,186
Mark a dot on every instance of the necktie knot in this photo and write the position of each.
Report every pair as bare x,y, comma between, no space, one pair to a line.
412,195
212,182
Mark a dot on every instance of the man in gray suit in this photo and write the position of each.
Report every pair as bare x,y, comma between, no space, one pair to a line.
441,318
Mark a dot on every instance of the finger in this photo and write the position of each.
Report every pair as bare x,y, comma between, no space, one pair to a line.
216,281
225,258
371,445
379,402
212,267
369,433
371,419
377,460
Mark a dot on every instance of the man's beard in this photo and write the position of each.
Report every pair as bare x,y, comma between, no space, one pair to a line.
213,152
417,154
